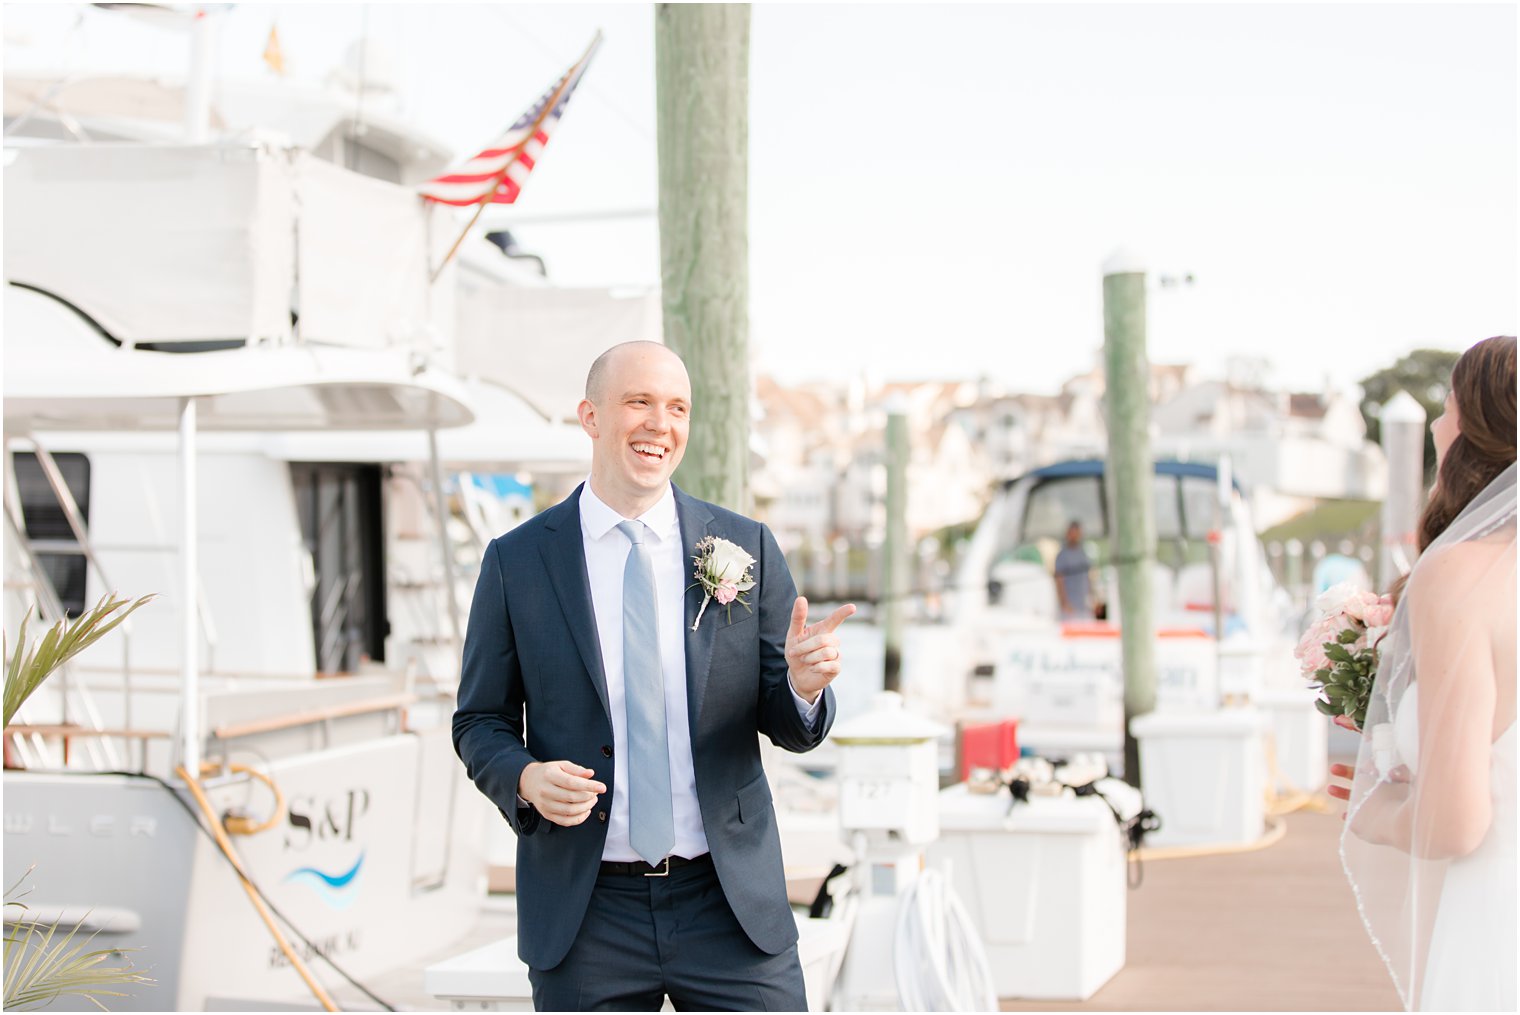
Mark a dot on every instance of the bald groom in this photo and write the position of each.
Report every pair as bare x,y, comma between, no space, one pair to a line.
617,734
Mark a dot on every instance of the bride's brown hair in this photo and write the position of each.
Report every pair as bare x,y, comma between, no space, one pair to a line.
1483,387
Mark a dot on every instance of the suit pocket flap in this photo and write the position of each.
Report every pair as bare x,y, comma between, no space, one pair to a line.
754,798
729,623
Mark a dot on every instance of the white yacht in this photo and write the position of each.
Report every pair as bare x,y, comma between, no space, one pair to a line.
236,376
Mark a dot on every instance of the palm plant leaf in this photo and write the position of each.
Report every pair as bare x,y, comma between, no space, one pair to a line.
39,970
28,668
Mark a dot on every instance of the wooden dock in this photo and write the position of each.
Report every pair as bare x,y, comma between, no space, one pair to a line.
1271,930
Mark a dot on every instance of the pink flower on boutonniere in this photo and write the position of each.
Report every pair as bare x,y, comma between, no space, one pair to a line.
723,571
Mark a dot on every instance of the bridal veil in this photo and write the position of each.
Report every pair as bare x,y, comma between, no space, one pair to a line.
1429,838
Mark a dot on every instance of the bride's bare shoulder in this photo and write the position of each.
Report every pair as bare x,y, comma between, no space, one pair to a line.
1446,573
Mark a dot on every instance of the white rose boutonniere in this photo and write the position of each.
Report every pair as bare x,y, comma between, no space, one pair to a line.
722,569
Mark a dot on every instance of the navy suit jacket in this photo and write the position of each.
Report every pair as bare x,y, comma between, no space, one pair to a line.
532,688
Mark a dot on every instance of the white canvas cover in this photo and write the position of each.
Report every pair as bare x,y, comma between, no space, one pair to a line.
539,342
361,259
158,243
165,243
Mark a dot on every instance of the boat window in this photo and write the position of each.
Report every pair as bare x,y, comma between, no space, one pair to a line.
1053,505
1168,508
1172,546
1200,510
47,527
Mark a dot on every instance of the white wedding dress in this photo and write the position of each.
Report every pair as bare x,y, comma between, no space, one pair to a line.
1444,927
1470,965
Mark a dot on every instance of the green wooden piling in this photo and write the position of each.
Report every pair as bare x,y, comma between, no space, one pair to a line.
702,98
1129,482
895,550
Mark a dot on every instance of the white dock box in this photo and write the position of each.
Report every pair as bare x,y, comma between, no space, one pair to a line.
1301,737
1044,883
1204,775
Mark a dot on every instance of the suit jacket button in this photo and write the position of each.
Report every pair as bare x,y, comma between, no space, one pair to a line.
601,816
606,752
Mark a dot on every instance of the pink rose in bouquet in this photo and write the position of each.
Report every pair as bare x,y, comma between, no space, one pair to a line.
1338,654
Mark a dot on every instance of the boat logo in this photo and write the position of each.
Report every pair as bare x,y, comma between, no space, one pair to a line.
313,820
337,890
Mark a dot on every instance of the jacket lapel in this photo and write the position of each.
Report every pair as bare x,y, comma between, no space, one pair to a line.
696,522
565,556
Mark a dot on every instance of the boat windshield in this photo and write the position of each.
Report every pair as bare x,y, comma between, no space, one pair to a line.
1185,509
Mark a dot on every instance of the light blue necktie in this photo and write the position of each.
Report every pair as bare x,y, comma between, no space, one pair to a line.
651,826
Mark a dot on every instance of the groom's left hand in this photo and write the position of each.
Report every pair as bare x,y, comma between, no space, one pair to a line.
812,650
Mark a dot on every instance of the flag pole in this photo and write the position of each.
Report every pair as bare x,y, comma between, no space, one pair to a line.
479,209
533,132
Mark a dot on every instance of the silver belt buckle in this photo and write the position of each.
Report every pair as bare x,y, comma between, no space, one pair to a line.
663,871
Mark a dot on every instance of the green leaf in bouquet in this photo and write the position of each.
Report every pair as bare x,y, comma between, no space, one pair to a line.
1326,708
1348,636
1337,653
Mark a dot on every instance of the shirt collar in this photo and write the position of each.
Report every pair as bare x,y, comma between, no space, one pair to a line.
597,519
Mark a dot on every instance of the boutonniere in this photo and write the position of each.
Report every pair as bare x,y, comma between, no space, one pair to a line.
723,572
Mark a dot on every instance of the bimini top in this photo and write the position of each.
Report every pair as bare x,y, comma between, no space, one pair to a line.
1097,467
61,373
508,434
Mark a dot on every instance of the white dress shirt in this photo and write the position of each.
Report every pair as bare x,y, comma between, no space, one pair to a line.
606,556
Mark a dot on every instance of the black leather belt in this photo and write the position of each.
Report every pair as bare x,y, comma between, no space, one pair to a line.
638,868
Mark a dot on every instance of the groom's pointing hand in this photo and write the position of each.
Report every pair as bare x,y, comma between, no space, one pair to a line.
812,650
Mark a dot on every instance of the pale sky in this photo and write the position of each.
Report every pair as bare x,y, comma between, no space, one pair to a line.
934,188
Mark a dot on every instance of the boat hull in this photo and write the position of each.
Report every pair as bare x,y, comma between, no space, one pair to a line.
378,856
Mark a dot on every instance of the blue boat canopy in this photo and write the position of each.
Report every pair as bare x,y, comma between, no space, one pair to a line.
1096,467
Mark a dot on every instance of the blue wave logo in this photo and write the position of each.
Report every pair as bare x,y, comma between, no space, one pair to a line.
337,890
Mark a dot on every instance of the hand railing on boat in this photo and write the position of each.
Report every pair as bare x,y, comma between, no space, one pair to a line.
68,732
39,733
313,716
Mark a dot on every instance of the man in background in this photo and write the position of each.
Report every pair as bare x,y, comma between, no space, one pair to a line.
1074,577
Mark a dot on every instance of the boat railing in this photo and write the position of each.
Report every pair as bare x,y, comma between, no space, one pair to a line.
31,739
322,717
72,693
473,512
73,696
429,605
36,735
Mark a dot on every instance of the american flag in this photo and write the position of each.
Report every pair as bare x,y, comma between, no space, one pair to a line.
497,174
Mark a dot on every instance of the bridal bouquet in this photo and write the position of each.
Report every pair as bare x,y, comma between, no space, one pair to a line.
1338,654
